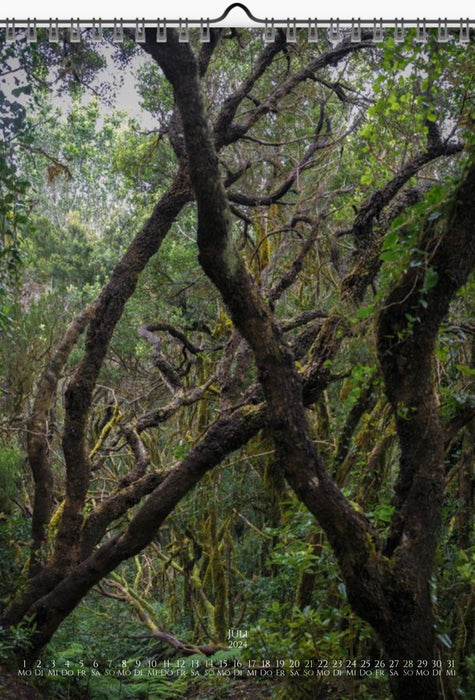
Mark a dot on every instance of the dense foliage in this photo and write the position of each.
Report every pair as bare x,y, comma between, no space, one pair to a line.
156,448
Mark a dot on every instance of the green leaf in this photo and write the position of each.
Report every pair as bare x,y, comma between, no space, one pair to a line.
391,240
364,312
366,179
431,279
390,255
466,370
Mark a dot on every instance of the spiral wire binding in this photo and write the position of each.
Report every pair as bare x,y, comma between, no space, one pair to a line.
399,31
333,27
96,30
291,33
312,36
75,31
355,31
140,31
464,32
118,32
31,32
205,35
53,31
378,31
161,31
183,31
421,33
442,31
269,31
334,31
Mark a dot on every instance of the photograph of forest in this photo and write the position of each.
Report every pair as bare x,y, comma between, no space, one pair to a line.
237,366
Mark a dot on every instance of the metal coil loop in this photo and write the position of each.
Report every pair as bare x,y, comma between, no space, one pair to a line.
421,32
31,32
10,34
205,35
334,31
183,31
140,31
442,31
355,31
464,31
96,33
399,33
291,32
53,31
312,31
118,31
75,32
161,31
269,31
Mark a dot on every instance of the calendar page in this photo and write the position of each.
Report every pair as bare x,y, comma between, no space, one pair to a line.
237,350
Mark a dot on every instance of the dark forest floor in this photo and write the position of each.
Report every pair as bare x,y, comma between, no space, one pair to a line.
14,688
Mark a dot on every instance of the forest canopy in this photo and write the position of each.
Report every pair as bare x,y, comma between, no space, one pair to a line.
237,362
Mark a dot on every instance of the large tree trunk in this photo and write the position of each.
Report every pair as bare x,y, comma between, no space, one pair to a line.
412,642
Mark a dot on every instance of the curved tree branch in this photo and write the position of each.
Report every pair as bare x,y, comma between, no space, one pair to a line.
37,440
